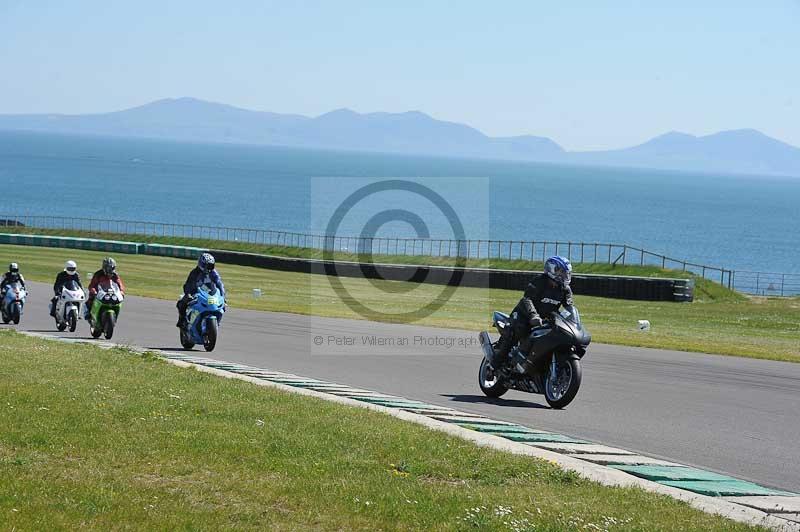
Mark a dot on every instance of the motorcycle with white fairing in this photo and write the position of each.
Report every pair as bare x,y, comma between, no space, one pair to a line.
68,306
13,302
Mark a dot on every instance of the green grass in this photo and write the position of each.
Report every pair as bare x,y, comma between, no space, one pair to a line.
704,288
753,327
105,440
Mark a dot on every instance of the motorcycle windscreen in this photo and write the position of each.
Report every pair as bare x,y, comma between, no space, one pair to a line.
71,285
572,320
108,286
108,293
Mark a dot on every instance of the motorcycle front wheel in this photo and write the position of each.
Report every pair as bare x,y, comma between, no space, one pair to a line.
16,313
560,389
72,321
210,337
490,382
109,321
186,342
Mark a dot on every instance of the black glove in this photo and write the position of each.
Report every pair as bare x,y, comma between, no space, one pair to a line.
535,322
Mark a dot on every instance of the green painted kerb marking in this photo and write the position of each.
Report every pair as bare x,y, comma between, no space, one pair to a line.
658,473
697,480
725,488
502,428
538,437
391,404
457,418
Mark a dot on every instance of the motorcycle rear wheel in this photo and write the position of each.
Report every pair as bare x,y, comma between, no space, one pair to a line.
94,329
560,392
490,382
185,341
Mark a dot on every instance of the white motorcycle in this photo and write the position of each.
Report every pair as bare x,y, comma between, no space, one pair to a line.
13,302
68,306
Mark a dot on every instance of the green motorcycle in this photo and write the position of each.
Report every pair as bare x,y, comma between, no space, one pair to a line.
105,310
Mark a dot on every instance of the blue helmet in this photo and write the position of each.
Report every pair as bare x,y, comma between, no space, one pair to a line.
206,262
558,269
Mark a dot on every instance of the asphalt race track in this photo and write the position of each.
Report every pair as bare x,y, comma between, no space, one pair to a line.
732,415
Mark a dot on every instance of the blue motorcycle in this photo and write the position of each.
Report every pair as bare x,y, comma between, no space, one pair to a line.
203,317
13,302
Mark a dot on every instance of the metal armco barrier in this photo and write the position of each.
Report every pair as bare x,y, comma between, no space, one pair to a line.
620,287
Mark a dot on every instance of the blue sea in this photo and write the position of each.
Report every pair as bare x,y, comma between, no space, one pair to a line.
738,222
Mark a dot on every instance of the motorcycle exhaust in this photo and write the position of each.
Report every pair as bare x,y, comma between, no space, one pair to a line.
486,345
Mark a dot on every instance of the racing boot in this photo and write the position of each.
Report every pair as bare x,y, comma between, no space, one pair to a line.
503,348
181,320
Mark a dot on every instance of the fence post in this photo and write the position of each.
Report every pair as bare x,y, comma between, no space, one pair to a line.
783,280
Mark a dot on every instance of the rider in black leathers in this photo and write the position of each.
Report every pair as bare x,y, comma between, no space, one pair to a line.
69,273
543,296
204,273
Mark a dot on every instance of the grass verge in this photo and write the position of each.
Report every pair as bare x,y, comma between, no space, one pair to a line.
99,439
754,327
704,288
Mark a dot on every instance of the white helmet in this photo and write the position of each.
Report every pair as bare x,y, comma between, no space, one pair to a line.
70,267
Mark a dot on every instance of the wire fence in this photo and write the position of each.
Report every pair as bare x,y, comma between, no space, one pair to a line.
762,283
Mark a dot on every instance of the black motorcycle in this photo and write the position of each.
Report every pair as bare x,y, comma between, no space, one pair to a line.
549,362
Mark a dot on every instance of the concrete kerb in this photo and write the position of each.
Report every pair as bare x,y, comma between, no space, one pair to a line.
588,470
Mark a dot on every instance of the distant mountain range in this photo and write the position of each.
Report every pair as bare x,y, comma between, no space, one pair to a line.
413,132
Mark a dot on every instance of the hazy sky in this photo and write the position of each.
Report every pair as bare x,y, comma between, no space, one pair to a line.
585,75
